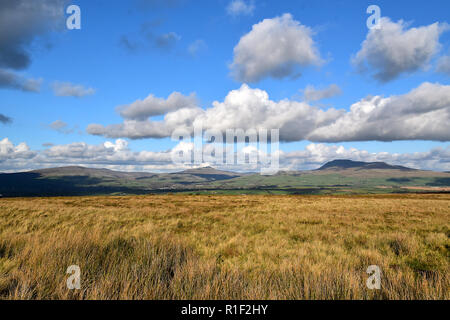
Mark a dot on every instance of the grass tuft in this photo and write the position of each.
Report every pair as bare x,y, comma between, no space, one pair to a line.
225,247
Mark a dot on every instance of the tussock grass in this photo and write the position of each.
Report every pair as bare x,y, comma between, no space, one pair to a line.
225,247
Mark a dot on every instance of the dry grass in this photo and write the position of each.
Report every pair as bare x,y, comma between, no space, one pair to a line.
225,247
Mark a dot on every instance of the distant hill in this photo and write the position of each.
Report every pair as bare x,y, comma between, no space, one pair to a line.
89,172
335,177
349,164
209,173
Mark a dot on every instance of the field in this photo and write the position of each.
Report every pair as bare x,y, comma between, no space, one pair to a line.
366,178
226,247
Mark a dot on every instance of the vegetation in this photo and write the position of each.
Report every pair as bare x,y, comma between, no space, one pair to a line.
225,247
336,177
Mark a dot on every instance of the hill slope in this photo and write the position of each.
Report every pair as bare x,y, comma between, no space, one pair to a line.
349,164
89,172
338,176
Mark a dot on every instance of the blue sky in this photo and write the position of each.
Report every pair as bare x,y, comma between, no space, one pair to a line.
96,57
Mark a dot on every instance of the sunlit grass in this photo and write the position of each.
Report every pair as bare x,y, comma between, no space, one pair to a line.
225,247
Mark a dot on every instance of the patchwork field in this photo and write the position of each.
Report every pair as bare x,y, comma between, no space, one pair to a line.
226,247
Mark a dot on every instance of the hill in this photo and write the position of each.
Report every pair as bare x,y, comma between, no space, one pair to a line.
335,177
89,172
209,173
349,164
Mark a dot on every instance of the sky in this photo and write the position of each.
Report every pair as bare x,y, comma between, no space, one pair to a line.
111,93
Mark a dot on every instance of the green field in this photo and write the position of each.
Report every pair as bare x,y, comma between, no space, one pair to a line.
78,181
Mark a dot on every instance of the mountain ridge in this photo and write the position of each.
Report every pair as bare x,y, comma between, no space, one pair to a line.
337,176
341,164
333,164
86,171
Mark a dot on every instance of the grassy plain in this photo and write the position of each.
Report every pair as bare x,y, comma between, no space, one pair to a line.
226,247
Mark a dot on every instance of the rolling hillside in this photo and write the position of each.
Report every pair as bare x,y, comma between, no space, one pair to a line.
335,177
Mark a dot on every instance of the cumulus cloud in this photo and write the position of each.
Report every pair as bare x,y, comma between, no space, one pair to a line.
245,108
274,48
315,155
10,152
240,7
115,155
67,89
443,65
422,114
12,80
312,94
135,129
248,108
118,155
179,110
154,106
21,21
5,119
392,50
82,150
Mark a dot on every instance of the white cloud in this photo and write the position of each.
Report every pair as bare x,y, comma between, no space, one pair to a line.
392,50
315,155
118,156
67,89
108,153
113,155
240,7
274,48
119,145
154,106
139,129
443,65
312,94
422,114
9,152
245,108
248,108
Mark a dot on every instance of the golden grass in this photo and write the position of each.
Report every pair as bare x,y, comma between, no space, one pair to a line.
225,247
